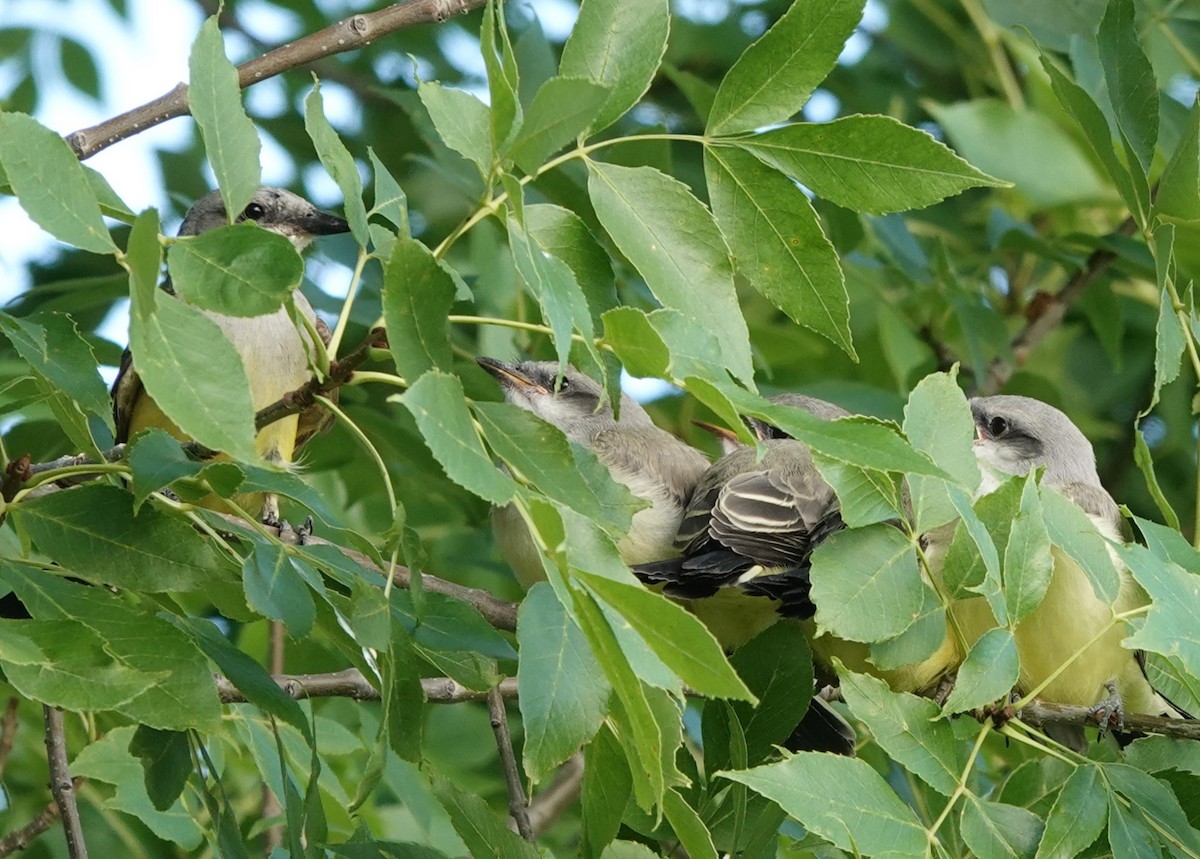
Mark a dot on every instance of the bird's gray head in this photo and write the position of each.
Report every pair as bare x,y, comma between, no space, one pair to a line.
1016,434
274,209
577,406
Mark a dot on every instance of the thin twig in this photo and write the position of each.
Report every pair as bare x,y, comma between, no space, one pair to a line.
517,804
549,805
8,732
499,613
273,836
19,839
1001,370
350,34
350,683
61,785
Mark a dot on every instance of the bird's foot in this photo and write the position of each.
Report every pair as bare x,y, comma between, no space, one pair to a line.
1110,713
944,688
288,534
306,530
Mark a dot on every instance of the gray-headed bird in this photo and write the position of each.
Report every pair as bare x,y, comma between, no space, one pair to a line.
273,351
653,464
1013,436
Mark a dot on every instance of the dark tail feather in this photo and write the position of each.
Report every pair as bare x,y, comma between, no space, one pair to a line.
822,730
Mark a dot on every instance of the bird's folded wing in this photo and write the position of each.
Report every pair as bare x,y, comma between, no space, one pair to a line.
773,517
126,388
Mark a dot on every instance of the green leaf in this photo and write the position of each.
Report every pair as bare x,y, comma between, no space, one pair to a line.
54,349
390,199
865,583
632,336
938,423
693,835
619,45
775,76
167,761
1130,78
92,530
1074,533
1172,626
437,405
51,184
606,790
870,164
246,674
777,667
568,474
337,161
841,799
994,829
1179,188
1078,815
1154,801
866,496
195,376
1096,131
673,242
779,244
562,234
1128,835
1028,563
108,760
1171,336
907,727
676,637
564,697
183,695
56,663
215,101
1044,164
238,270
563,109
552,283
417,296
633,720
143,261
481,830
275,589
1052,24
462,120
988,673
503,83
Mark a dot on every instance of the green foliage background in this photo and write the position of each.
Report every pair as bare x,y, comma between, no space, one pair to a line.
631,198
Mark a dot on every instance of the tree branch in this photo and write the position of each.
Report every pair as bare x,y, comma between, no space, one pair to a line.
562,793
347,35
19,839
61,785
517,804
350,683
1042,713
1051,315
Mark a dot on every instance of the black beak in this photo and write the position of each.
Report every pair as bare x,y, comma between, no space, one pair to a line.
508,375
320,223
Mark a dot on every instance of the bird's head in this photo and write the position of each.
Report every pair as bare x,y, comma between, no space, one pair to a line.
274,209
1016,434
576,405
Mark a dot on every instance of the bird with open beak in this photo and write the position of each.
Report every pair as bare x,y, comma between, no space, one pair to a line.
653,464
1015,435
273,351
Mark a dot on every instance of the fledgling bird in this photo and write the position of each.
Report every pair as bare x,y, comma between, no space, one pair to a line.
649,461
1013,436
273,351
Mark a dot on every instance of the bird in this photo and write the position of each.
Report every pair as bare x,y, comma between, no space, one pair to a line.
651,462
273,351
1015,435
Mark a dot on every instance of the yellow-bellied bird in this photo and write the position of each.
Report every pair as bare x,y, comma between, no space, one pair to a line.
653,464
1013,436
273,351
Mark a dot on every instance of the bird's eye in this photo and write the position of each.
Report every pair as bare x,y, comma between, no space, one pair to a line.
997,427
564,384
253,212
